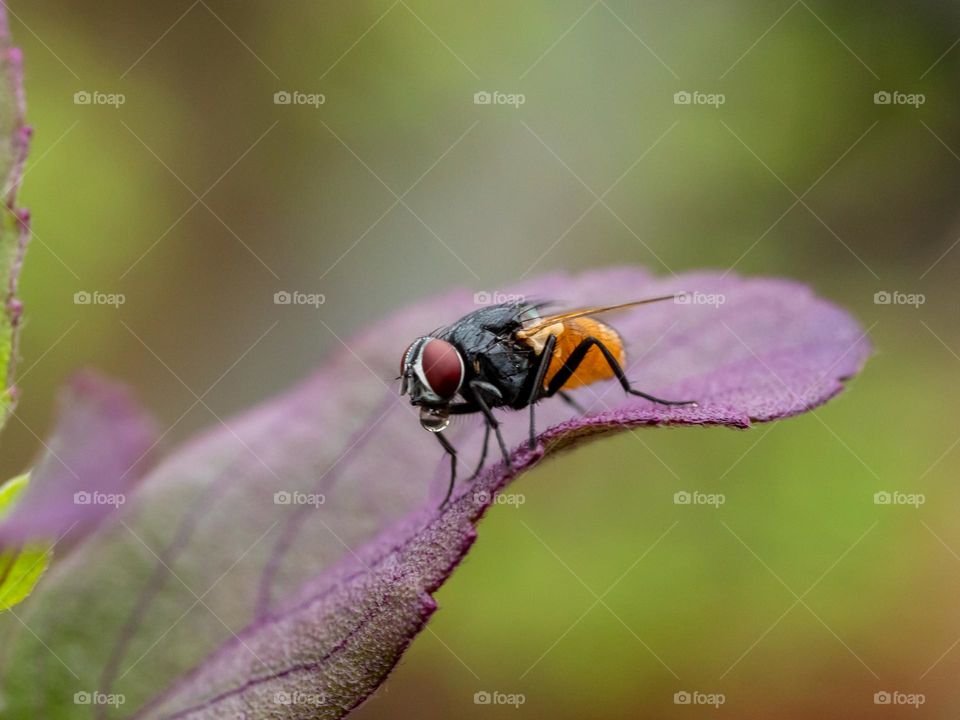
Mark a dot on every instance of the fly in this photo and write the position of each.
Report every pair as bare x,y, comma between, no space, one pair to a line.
508,356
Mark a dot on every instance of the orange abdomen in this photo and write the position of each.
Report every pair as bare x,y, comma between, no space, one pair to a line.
594,366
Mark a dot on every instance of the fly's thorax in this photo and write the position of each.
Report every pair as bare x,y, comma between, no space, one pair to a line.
505,365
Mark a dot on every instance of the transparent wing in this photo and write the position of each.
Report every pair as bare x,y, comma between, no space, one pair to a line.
540,323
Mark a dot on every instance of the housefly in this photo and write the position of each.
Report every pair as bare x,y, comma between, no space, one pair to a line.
510,356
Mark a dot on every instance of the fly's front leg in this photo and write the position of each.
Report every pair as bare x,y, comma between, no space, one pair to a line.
467,408
452,452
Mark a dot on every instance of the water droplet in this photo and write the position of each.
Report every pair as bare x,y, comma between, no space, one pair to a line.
434,419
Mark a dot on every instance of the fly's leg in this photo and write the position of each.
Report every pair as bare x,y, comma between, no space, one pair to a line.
546,355
452,452
568,399
483,452
464,408
577,356
492,422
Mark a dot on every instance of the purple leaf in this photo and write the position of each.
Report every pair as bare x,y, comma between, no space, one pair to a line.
99,448
292,554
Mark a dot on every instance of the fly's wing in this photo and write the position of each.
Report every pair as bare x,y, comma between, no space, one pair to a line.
539,324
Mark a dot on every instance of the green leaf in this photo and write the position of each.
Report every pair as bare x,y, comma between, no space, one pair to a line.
20,570
14,222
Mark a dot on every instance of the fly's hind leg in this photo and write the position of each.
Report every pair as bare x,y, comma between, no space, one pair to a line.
577,356
568,399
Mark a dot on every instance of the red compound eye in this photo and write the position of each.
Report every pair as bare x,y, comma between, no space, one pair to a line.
442,367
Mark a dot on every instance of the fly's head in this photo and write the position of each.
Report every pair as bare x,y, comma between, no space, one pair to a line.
431,372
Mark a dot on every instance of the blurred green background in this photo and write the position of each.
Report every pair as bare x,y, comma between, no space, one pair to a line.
199,198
